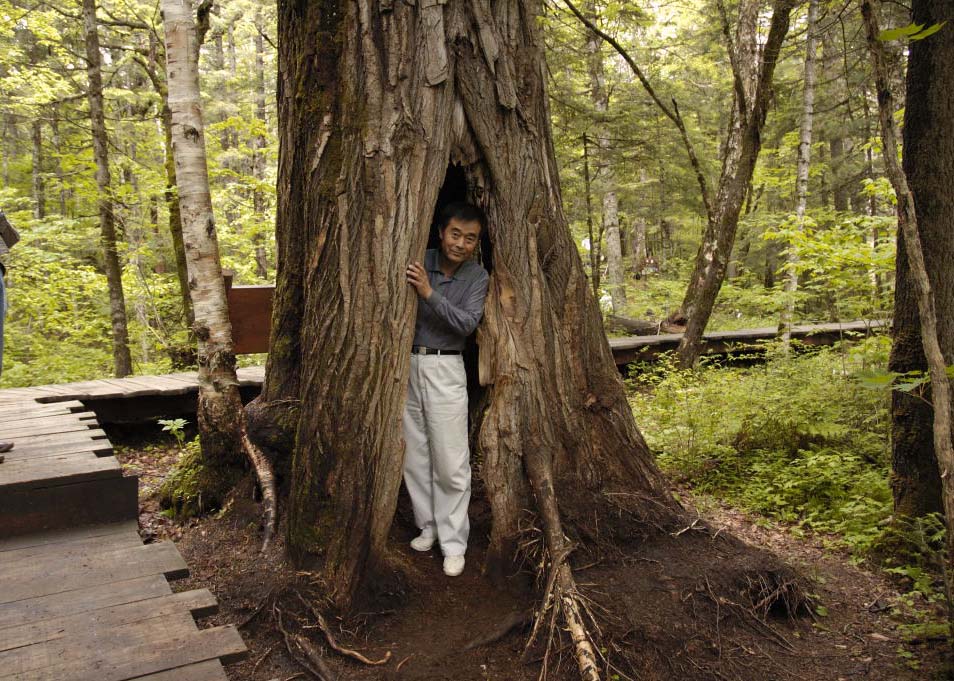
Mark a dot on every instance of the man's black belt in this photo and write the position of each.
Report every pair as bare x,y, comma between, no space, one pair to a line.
423,350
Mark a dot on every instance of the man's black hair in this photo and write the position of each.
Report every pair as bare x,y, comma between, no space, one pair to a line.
464,212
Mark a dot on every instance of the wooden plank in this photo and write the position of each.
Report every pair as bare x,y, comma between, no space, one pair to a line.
67,468
198,603
210,670
38,508
27,611
8,409
155,655
46,428
77,445
115,566
86,418
78,549
129,527
85,647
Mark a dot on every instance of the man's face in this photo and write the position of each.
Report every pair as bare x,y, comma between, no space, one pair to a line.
459,239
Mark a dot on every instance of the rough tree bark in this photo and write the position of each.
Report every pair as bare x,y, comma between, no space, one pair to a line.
220,417
801,172
604,173
122,361
929,167
375,100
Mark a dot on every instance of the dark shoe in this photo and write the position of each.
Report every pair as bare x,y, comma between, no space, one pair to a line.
5,447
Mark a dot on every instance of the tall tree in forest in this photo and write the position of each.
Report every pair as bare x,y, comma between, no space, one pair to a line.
929,168
122,361
604,171
801,173
375,102
220,415
753,69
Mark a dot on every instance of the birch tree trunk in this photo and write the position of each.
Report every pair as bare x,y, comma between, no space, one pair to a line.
220,407
122,361
375,101
801,173
929,168
258,156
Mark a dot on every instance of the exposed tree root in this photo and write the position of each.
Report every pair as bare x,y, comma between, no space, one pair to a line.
293,615
516,619
561,595
266,481
323,625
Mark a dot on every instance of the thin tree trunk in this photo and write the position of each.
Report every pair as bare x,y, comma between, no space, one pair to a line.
258,155
220,417
122,361
604,172
926,92
801,173
929,169
741,156
595,240
39,183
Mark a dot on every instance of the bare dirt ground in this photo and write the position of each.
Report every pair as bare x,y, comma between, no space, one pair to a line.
676,607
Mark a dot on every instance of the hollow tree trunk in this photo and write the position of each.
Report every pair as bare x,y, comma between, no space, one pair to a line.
122,361
801,172
375,100
741,155
929,166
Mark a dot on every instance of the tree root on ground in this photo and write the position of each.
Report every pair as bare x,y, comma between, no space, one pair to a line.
266,481
294,615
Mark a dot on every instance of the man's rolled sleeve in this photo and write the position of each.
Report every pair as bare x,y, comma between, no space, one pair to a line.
465,318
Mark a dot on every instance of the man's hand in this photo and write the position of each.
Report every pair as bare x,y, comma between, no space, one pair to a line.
417,277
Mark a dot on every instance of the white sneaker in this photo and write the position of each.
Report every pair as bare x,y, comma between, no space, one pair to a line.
453,565
423,542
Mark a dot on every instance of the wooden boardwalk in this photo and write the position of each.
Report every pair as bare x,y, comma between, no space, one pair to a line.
81,597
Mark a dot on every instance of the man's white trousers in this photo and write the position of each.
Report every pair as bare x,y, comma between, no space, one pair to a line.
437,456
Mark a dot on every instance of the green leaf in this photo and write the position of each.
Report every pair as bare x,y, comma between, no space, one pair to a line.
900,33
929,31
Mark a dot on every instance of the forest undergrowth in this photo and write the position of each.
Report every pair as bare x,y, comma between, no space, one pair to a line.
801,441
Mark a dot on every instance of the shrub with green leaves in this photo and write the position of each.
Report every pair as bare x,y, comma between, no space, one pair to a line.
795,438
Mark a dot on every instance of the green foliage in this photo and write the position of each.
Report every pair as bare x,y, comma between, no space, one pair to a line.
176,428
910,32
794,439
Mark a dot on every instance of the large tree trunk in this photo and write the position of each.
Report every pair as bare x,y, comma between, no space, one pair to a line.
741,155
122,361
929,166
375,102
801,172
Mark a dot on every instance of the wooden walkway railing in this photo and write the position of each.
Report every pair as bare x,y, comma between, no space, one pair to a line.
81,597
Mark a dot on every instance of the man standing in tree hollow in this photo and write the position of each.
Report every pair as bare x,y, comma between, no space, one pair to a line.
452,287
